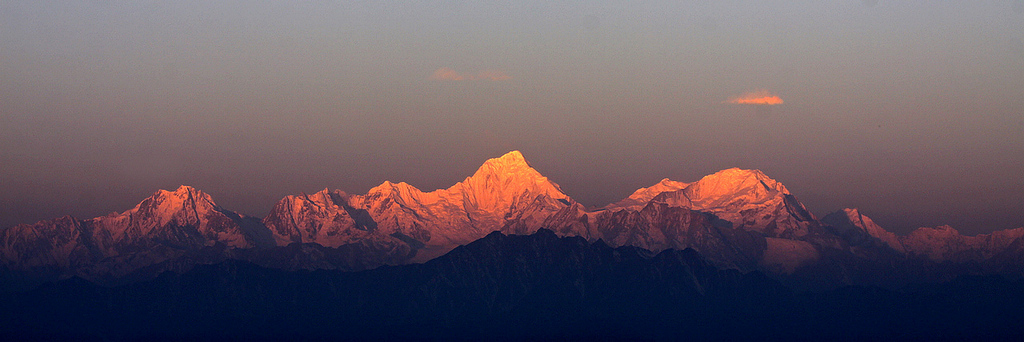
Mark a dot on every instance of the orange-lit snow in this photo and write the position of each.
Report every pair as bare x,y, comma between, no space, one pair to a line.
760,97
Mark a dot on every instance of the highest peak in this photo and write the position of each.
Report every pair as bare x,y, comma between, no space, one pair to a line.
511,163
511,173
511,158
513,154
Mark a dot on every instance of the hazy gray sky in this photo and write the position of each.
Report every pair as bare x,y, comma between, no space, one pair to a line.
912,111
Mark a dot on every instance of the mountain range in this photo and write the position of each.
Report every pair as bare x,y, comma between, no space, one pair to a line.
735,219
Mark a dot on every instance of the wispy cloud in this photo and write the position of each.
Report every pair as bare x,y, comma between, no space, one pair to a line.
760,97
447,74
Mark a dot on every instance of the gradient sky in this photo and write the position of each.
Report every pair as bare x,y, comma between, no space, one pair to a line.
912,111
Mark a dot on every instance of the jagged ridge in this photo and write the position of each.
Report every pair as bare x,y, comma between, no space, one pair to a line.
737,218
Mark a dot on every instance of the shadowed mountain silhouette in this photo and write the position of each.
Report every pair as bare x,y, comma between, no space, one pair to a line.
539,286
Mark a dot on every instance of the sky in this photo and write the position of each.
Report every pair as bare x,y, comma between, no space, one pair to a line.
911,111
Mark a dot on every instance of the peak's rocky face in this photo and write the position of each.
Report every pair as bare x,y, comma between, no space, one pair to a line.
729,183
859,230
639,198
55,244
164,226
508,161
658,227
941,244
182,218
745,209
944,243
326,218
318,218
507,193
748,199
500,182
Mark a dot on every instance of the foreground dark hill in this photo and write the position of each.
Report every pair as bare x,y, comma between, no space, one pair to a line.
509,287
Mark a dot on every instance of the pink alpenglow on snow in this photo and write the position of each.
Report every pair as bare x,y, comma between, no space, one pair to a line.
760,97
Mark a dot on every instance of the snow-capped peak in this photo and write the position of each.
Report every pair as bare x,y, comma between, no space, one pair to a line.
164,205
509,174
183,196
734,180
641,196
389,186
510,164
646,194
513,157
183,191
402,192
747,198
712,191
